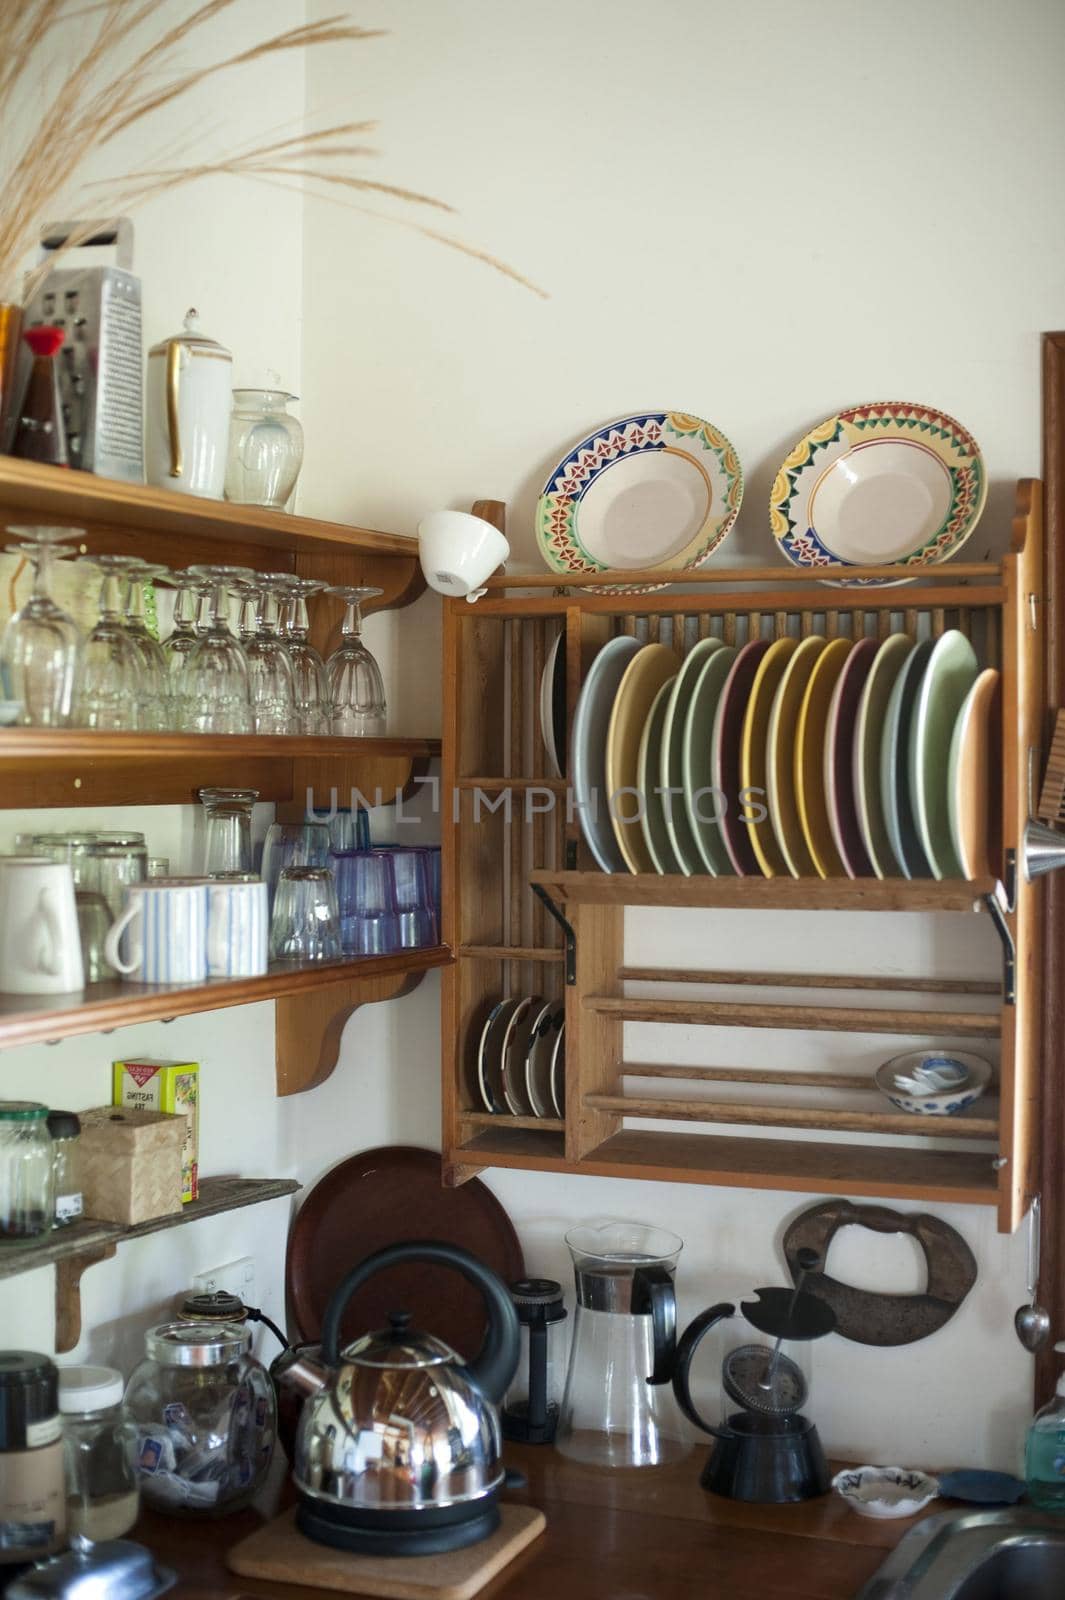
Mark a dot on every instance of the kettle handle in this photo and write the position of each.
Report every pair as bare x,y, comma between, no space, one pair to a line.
690,1341
497,1359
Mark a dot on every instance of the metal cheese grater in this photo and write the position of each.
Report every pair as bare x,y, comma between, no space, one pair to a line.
101,361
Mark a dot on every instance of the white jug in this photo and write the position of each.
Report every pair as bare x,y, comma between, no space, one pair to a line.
189,400
40,946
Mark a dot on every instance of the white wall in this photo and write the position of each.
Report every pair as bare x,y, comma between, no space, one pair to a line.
745,211
758,213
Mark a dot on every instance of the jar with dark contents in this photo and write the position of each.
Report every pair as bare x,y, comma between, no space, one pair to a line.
26,1184
33,1503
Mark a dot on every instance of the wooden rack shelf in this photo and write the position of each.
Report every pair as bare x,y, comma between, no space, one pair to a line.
567,940
82,767
79,1245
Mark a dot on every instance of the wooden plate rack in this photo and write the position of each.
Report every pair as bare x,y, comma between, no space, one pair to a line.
508,830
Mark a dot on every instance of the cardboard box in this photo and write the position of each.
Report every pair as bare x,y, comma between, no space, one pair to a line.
130,1163
172,1086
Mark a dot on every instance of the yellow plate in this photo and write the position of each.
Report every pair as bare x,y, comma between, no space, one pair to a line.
753,756
780,757
810,759
645,674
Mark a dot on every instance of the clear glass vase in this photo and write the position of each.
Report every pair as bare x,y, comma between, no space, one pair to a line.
265,449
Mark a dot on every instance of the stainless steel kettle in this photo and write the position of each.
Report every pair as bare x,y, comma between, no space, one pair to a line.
399,1448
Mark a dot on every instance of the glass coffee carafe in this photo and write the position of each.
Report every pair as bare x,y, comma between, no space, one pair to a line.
618,1409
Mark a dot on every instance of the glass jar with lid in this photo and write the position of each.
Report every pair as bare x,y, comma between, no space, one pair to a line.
64,1130
99,1448
26,1203
265,448
205,1417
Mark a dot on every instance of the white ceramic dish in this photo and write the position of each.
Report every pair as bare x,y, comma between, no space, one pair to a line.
490,1055
949,1102
947,679
558,1072
539,1051
591,721
515,1042
552,725
674,800
885,1492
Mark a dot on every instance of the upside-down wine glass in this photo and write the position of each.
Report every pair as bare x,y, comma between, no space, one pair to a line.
109,681
214,685
39,649
356,691
308,667
156,711
181,641
273,696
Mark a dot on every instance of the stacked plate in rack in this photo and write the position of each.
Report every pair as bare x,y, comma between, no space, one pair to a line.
520,1064
792,757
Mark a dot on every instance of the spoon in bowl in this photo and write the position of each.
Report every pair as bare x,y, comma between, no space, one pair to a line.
1032,1321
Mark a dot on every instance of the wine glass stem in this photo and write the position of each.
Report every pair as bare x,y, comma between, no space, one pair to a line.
352,628
42,567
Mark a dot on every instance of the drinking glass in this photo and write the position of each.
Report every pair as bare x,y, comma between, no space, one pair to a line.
228,845
432,857
158,866
356,692
182,639
366,895
414,898
305,923
308,668
109,687
349,830
213,688
292,844
39,649
94,922
112,867
156,711
271,686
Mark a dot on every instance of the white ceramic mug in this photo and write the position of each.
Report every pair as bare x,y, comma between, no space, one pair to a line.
167,922
459,551
40,946
238,927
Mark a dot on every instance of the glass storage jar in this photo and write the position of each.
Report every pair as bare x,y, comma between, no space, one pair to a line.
265,448
26,1206
205,1417
99,1447
64,1130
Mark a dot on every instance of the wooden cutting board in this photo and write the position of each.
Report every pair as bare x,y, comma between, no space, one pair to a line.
280,1553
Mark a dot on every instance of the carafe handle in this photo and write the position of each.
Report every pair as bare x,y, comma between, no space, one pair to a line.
497,1359
653,1293
690,1341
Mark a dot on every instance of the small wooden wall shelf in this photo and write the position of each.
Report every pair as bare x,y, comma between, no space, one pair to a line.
566,942
80,1245
77,767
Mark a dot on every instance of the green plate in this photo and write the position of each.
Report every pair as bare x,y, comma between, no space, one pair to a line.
950,674
671,768
653,817
697,760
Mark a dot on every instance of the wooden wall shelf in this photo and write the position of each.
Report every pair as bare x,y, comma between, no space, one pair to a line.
80,1245
508,942
82,767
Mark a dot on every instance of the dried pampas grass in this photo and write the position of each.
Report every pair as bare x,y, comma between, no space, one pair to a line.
129,70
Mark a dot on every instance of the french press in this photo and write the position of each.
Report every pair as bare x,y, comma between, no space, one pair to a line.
618,1409
531,1406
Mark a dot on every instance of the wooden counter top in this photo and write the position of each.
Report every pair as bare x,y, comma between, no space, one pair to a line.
653,1535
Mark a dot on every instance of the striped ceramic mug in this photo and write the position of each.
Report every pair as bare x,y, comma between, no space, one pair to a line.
167,923
238,926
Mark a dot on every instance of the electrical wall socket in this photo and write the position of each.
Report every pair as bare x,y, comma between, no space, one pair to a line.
235,1277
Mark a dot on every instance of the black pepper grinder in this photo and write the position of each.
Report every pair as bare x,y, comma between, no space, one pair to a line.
531,1406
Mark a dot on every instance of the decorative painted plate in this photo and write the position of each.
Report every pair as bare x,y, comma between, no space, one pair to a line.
671,766
895,766
973,779
659,489
648,763
591,720
780,757
701,801
868,737
840,737
725,743
948,677
754,745
886,483
810,732
553,707
542,1042
645,674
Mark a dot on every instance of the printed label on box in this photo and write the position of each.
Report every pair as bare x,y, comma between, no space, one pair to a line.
171,1086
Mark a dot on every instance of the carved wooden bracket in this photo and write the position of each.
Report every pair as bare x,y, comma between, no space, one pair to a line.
309,1026
68,1273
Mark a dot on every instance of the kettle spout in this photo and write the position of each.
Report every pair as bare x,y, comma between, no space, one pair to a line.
297,1369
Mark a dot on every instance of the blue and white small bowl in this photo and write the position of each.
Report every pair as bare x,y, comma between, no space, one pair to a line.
946,1103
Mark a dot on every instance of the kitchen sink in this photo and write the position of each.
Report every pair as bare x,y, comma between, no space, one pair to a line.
976,1555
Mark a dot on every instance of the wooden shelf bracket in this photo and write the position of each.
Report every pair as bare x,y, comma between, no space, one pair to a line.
68,1275
310,1026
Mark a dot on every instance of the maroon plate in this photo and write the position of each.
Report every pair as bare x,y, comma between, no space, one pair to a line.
726,737
388,1196
839,759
